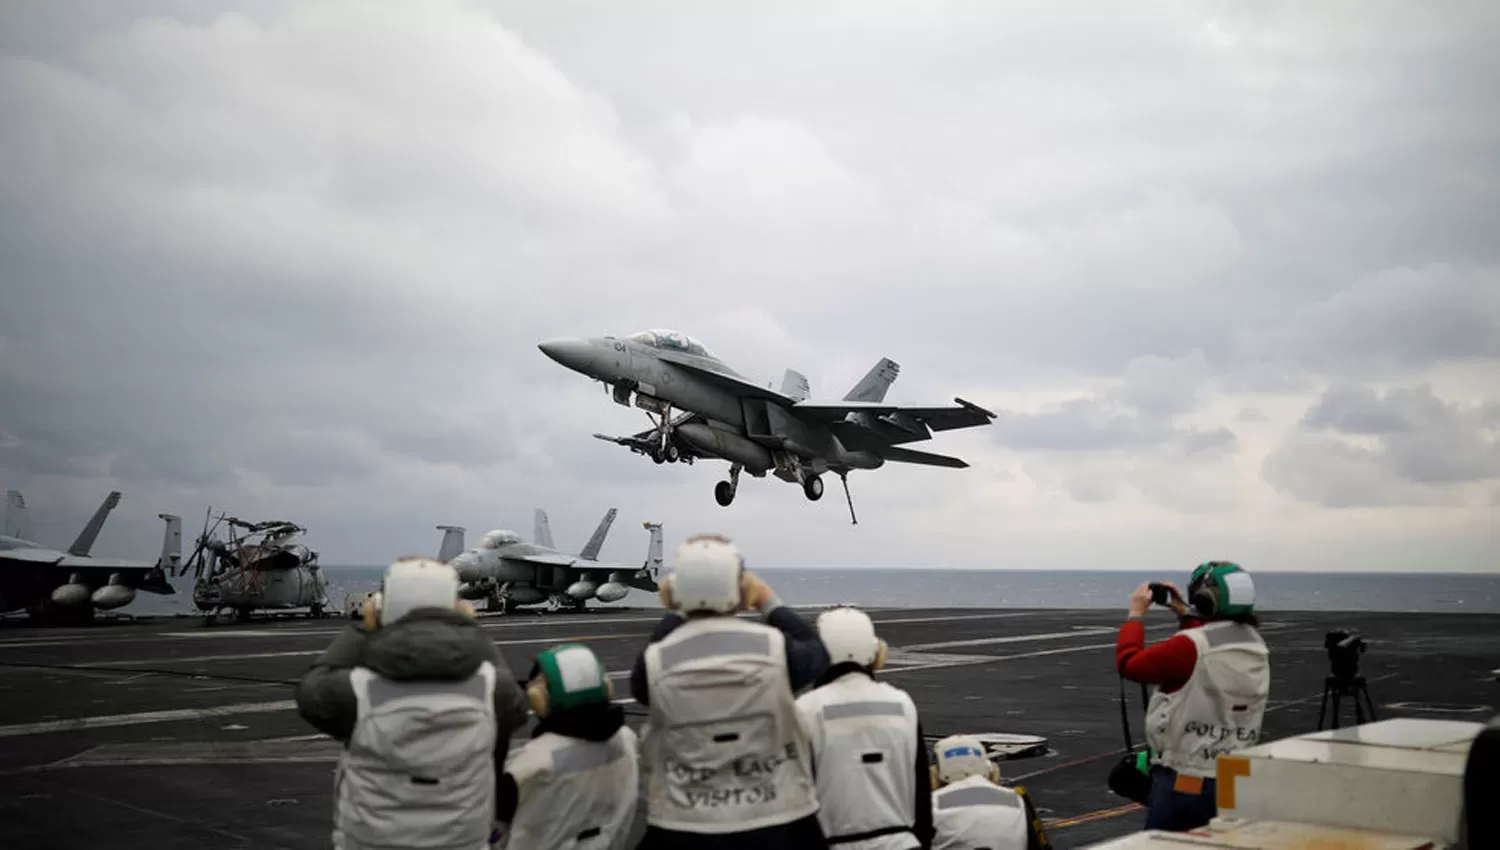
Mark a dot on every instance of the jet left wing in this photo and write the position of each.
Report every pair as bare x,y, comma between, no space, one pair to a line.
144,576
962,414
566,561
30,557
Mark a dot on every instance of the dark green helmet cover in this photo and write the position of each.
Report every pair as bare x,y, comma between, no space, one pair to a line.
574,676
1231,585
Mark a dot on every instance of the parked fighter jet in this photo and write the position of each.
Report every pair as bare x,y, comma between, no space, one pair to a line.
724,415
506,571
54,585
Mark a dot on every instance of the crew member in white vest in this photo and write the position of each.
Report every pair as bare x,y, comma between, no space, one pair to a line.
1212,679
727,761
869,759
576,783
970,811
425,707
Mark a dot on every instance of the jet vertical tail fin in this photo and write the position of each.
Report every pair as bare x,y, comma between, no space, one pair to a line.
653,551
90,532
453,542
171,544
650,573
541,533
795,386
873,385
17,523
591,549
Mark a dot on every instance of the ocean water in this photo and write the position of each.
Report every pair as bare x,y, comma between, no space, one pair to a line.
940,588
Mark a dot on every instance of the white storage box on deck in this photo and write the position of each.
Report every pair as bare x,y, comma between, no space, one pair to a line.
1224,834
1403,777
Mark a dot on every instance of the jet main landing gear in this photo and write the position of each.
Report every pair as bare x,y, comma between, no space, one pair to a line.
724,491
812,487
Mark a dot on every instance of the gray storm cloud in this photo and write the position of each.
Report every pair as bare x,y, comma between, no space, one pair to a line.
294,259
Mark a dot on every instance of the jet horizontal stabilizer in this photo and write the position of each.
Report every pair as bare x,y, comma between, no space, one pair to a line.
898,455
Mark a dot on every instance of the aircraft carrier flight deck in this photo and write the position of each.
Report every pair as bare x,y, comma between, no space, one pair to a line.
164,733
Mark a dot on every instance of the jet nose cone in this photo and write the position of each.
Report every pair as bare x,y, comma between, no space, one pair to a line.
576,354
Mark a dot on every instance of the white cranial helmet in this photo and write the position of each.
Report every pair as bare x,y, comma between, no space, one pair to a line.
849,635
706,575
959,757
413,583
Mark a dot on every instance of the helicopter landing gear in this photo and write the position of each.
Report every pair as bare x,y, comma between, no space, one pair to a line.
724,491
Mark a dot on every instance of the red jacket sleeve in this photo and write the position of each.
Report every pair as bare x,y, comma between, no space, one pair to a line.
1169,663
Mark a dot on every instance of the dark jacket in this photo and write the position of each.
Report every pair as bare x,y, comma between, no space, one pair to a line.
428,644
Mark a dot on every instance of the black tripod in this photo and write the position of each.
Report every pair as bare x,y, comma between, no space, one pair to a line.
1346,686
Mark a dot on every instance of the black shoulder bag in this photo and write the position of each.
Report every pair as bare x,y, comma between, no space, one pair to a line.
1125,778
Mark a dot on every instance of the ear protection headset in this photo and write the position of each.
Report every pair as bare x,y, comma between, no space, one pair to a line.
847,633
370,612
932,775
417,582
1209,590
565,677
667,586
960,751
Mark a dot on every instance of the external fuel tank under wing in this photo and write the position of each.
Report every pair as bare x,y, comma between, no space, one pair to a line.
57,585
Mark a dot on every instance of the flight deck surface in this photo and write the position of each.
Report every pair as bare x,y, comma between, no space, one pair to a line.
163,733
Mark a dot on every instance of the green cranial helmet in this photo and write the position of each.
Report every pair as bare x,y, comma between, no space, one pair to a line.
574,676
1221,589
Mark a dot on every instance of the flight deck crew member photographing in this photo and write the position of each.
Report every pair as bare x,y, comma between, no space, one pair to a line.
969,808
726,758
868,756
1213,679
424,706
575,784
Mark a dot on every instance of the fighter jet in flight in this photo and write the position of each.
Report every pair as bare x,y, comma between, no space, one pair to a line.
68,585
701,408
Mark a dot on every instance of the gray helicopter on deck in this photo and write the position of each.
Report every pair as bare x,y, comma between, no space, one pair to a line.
257,566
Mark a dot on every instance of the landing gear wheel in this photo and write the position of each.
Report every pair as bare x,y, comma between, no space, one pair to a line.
316,612
673,455
657,456
813,488
724,493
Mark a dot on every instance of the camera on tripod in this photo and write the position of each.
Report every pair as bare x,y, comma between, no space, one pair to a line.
1344,680
1344,649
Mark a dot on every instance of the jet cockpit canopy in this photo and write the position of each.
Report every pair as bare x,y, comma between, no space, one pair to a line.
497,538
672,341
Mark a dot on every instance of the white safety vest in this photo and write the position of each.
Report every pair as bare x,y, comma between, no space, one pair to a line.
573,794
726,751
977,814
1220,708
864,744
419,770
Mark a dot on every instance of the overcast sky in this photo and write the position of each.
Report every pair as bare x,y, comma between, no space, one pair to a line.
1228,273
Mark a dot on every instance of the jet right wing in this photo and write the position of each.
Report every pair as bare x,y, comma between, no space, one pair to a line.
963,414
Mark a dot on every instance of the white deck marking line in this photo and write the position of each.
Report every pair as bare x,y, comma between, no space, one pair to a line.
1005,616
74,723
291,653
946,644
